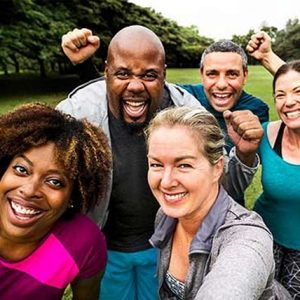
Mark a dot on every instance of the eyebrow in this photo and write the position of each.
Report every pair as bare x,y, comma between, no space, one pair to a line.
177,159
62,173
25,158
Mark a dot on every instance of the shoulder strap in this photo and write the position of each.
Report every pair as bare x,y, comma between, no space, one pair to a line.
278,142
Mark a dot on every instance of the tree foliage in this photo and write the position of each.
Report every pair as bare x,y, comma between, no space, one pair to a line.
31,31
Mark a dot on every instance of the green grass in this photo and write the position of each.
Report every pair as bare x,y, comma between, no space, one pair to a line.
259,83
25,88
28,88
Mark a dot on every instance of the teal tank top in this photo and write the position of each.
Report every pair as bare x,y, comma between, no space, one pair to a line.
279,204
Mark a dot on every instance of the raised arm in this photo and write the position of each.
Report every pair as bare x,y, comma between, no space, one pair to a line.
79,45
259,47
245,131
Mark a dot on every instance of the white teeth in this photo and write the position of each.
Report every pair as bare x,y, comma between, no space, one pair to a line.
174,197
135,103
222,95
293,114
22,210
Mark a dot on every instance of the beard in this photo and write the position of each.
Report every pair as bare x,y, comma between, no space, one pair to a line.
135,126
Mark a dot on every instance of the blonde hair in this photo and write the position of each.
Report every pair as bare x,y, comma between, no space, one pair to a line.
202,123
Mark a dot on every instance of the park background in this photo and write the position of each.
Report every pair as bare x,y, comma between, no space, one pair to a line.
33,67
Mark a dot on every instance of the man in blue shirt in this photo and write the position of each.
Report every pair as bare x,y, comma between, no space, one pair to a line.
224,72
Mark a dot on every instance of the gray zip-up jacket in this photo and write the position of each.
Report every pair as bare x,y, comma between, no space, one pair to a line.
90,101
231,256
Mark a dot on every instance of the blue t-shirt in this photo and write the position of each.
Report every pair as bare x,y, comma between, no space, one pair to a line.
245,102
279,204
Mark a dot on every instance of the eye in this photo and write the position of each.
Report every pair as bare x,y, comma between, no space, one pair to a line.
279,97
184,166
150,76
297,92
233,74
155,165
20,170
123,74
56,183
211,74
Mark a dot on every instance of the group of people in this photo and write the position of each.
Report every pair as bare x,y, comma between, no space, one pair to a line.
161,169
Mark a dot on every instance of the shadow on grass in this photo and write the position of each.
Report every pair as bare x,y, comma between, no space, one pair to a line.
23,88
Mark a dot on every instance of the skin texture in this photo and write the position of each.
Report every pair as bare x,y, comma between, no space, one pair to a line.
175,170
287,99
223,79
135,74
287,102
33,181
259,47
42,167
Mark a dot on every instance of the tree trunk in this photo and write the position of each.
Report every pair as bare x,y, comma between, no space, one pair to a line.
42,68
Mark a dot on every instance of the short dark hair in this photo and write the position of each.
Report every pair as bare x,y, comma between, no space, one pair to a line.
225,46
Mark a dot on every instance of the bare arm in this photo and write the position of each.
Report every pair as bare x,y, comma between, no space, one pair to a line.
246,132
260,48
87,289
79,45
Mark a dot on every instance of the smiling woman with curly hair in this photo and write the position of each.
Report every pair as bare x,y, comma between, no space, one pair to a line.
53,168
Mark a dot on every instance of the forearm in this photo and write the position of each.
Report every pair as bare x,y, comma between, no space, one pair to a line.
87,71
272,62
238,175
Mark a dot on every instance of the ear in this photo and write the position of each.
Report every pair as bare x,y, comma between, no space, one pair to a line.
165,70
105,69
245,76
219,169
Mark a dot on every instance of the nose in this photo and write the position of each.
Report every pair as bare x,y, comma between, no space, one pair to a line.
31,190
290,100
221,82
135,85
168,179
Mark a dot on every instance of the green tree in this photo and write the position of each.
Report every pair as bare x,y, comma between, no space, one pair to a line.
287,42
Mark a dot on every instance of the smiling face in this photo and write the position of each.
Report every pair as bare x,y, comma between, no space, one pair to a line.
181,178
287,98
34,193
223,79
135,74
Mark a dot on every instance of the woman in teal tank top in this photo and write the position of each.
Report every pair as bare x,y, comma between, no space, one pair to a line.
279,204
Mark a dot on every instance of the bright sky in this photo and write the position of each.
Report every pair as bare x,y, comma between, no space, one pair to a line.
219,19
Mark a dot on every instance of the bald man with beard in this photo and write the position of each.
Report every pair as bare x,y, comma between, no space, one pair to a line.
122,103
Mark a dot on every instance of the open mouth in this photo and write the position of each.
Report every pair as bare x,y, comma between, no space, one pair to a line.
224,97
292,114
135,109
174,198
23,213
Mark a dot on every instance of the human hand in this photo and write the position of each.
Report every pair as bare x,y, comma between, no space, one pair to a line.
246,132
79,45
259,46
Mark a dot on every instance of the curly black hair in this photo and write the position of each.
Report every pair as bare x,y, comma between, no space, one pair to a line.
80,147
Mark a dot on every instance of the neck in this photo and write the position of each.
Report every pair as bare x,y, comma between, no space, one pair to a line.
14,251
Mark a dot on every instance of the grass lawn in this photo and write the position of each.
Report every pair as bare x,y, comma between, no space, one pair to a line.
28,88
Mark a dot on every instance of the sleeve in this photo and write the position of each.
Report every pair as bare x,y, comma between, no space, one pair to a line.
238,176
94,252
243,266
87,71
